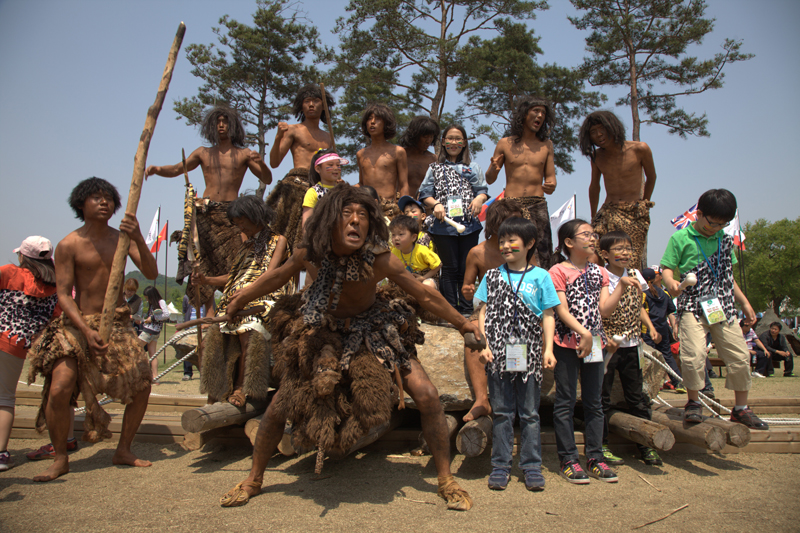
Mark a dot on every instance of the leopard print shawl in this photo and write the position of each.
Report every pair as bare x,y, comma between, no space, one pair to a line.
689,300
447,181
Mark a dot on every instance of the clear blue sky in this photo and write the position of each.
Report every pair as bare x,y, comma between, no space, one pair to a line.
78,77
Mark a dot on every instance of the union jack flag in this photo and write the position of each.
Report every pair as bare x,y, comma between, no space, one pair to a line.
681,221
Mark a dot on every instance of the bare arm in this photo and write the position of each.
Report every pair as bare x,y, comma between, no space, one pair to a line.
594,189
215,281
283,141
140,253
649,171
548,331
747,309
670,283
170,171
497,162
359,158
549,182
470,275
257,166
402,171
486,354
306,215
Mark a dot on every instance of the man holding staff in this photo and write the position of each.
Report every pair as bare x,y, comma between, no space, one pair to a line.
71,354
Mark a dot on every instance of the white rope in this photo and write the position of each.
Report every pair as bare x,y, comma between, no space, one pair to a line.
721,408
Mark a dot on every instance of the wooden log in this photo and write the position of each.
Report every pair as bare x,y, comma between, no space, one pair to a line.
284,446
220,414
195,441
474,436
702,435
736,434
452,425
114,288
251,428
641,431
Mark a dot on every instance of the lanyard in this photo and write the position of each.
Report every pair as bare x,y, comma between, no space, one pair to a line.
713,270
528,268
583,274
410,267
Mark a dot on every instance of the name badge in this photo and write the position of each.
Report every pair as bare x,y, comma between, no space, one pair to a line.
712,310
455,206
596,355
516,357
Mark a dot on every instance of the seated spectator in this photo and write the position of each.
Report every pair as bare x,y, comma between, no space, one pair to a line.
776,345
758,353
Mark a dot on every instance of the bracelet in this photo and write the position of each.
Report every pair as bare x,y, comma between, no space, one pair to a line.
434,205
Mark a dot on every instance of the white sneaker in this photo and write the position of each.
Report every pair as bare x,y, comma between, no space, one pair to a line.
756,375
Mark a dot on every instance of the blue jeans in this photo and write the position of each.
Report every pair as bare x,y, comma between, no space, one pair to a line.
508,395
568,365
453,252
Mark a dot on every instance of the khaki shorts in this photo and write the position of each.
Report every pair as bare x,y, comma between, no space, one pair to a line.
148,337
731,348
10,370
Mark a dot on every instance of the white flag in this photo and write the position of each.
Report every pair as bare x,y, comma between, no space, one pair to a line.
734,230
153,233
563,214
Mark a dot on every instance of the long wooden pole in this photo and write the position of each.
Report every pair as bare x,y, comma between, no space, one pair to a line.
327,114
123,245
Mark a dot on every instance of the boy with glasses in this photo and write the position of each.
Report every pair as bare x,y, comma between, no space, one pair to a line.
704,250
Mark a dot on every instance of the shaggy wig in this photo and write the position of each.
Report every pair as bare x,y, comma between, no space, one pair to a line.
328,214
382,112
88,187
253,209
525,104
208,129
463,157
310,91
43,270
499,211
613,125
419,127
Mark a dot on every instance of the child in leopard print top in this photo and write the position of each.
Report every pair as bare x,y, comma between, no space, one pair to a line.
518,314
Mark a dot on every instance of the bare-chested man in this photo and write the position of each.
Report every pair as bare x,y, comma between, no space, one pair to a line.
382,165
303,140
527,154
420,135
224,164
71,354
482,258
621,164
349,226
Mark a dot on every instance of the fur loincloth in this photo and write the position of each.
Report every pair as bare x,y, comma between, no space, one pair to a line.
287,201
220,241
389,207
335,375
534,208
220,356
631,217
121,374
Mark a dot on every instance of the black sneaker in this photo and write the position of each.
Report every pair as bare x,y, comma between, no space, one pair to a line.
790,375
692,413
498,479
650,457
709,394
712,374
600,470
534,480
746,417
572,472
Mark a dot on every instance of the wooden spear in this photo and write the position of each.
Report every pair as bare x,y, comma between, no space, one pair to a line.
195,265
327,114
118,266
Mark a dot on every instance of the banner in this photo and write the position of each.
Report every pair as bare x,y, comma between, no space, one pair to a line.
151,235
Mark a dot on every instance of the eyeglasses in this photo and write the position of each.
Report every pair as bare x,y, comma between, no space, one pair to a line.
719,225
454,140
588,235
626,249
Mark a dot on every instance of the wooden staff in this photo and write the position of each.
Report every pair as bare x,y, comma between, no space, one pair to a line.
195,266
123,245
218,319
327,114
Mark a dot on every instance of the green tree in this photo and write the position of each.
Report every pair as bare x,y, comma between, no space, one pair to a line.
496,72
771,264
642,45
254,69
405,52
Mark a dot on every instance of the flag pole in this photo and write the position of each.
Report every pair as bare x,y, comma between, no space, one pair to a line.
166,256
158,225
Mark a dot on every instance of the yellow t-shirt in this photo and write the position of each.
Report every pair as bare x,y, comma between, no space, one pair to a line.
420,260
312,197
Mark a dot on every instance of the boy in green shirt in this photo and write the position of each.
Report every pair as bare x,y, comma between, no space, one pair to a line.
703,249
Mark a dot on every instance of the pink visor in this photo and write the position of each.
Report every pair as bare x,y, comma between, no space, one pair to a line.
330,157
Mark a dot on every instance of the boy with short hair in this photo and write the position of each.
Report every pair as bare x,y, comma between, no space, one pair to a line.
623,329
423,264
518,323
414,208
703,249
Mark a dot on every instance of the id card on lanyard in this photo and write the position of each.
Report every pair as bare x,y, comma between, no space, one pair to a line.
455,206
516,351
709,302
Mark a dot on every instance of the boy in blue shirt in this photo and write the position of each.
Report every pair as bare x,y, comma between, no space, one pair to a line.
518,323
704,250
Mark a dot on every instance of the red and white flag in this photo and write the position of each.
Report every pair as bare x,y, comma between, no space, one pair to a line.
151,235
735,231
162,236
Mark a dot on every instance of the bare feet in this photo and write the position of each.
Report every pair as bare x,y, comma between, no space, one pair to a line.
479,409
237,399
127,458
56,470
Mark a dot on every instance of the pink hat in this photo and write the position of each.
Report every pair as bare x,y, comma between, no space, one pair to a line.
330,157
36,247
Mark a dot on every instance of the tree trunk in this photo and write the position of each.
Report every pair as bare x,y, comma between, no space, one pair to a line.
736,434
641,431
219,415
702,435
474,436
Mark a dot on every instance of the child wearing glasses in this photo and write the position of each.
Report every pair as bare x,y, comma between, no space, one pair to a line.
703,249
